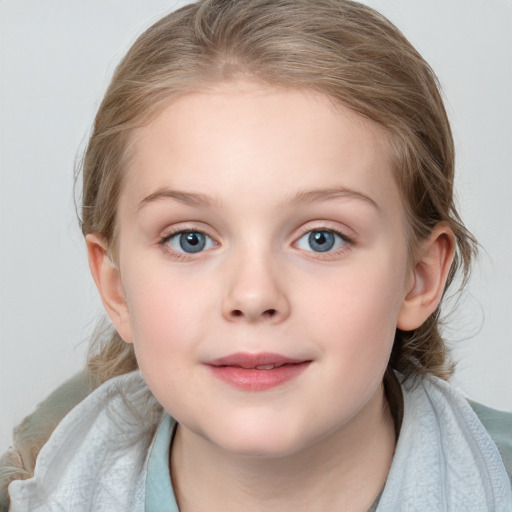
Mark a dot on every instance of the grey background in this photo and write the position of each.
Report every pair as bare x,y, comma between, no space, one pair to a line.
56,58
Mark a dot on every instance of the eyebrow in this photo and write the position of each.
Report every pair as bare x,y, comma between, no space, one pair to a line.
187,198
322,194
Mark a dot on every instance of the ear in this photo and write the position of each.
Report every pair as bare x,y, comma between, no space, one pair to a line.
428,278
108,281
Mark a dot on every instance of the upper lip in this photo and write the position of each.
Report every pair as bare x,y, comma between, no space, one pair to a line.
247,360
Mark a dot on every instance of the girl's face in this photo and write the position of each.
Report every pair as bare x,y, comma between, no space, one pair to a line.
263,260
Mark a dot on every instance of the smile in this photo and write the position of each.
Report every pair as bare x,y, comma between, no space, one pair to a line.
256,372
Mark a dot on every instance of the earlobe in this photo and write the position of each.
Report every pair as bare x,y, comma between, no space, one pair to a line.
428,278
108,281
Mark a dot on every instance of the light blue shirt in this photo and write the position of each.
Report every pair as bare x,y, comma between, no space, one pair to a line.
160,495
159,492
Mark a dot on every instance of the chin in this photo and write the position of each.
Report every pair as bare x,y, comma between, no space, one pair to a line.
259,442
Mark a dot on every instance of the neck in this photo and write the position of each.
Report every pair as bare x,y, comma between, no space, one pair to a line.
346,470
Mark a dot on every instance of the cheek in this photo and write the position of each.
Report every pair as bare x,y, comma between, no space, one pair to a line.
164,311
354,327
164,317
355,311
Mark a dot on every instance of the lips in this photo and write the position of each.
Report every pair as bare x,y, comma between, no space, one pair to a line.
256,372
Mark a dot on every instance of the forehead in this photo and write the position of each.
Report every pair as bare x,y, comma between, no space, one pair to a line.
241,140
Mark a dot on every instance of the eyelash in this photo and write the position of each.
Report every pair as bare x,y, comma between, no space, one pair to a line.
348,241
180,256
184,256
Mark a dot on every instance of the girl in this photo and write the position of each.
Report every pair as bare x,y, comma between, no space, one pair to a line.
269,217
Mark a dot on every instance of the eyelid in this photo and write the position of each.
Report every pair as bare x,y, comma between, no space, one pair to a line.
322,225
171,234
182,227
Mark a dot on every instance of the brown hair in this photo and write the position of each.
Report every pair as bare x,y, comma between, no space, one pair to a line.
339,48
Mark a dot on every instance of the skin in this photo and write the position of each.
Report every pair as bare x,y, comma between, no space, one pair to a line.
267,162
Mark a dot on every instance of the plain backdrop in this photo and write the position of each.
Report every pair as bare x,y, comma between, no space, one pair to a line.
56,58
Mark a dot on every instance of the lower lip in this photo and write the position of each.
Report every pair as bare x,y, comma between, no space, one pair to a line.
251,379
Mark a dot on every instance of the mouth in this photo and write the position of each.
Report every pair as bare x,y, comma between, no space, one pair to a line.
256,372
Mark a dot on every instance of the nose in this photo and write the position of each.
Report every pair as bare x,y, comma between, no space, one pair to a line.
254,293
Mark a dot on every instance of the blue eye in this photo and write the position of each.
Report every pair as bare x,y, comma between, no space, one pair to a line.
190,242
321,240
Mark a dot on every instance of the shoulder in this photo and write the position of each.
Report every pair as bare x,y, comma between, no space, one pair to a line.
33,432
36,428
116,420
499,426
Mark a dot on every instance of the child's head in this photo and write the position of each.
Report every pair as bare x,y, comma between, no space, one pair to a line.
326,50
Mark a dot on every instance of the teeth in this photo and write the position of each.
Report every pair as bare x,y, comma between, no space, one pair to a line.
269,366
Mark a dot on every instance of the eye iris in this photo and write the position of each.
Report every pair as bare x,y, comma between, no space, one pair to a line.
321,241
192,241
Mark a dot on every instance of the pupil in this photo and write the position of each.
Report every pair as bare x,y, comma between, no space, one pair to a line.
321,241
192,242
192,239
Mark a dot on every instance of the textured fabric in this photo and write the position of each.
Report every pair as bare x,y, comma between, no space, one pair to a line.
97,459
499,426
444,460
33,432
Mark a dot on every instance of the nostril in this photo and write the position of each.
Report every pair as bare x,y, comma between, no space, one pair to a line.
268,313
